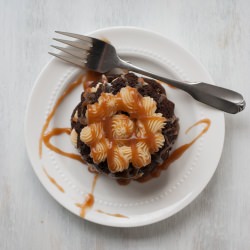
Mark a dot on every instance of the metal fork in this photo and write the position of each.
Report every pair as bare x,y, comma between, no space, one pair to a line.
97,55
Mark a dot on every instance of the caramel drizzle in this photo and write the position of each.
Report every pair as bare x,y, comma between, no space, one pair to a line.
86,81
91,76
177,153
114,215
139,113
89,200
67,91
94,183
86,205
53,181
56,132
181,150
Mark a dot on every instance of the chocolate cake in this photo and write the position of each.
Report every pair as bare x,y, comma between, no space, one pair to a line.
124,125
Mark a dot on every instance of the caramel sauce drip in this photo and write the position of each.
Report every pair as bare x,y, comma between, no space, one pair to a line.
48,144
86,205
67,91
114,215
45,137
53,181
177,153
181,150
90,77
90,199
94,183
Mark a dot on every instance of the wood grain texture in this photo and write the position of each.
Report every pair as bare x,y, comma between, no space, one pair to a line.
216,32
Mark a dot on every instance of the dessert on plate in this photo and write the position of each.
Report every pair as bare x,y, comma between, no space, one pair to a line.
124,125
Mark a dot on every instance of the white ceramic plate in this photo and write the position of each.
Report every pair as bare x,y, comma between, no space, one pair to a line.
142,203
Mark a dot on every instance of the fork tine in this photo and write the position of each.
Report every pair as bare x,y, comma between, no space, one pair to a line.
75,61
77,53
81,37
74,44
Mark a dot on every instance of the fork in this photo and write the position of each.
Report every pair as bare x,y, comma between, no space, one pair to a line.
97,55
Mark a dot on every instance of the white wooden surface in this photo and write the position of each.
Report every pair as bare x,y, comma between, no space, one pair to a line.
216,32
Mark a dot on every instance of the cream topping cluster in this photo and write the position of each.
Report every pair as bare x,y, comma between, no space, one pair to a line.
123,129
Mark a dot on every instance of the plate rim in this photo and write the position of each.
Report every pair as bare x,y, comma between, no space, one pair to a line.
150,219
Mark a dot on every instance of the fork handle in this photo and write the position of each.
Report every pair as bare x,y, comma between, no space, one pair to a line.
220,98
